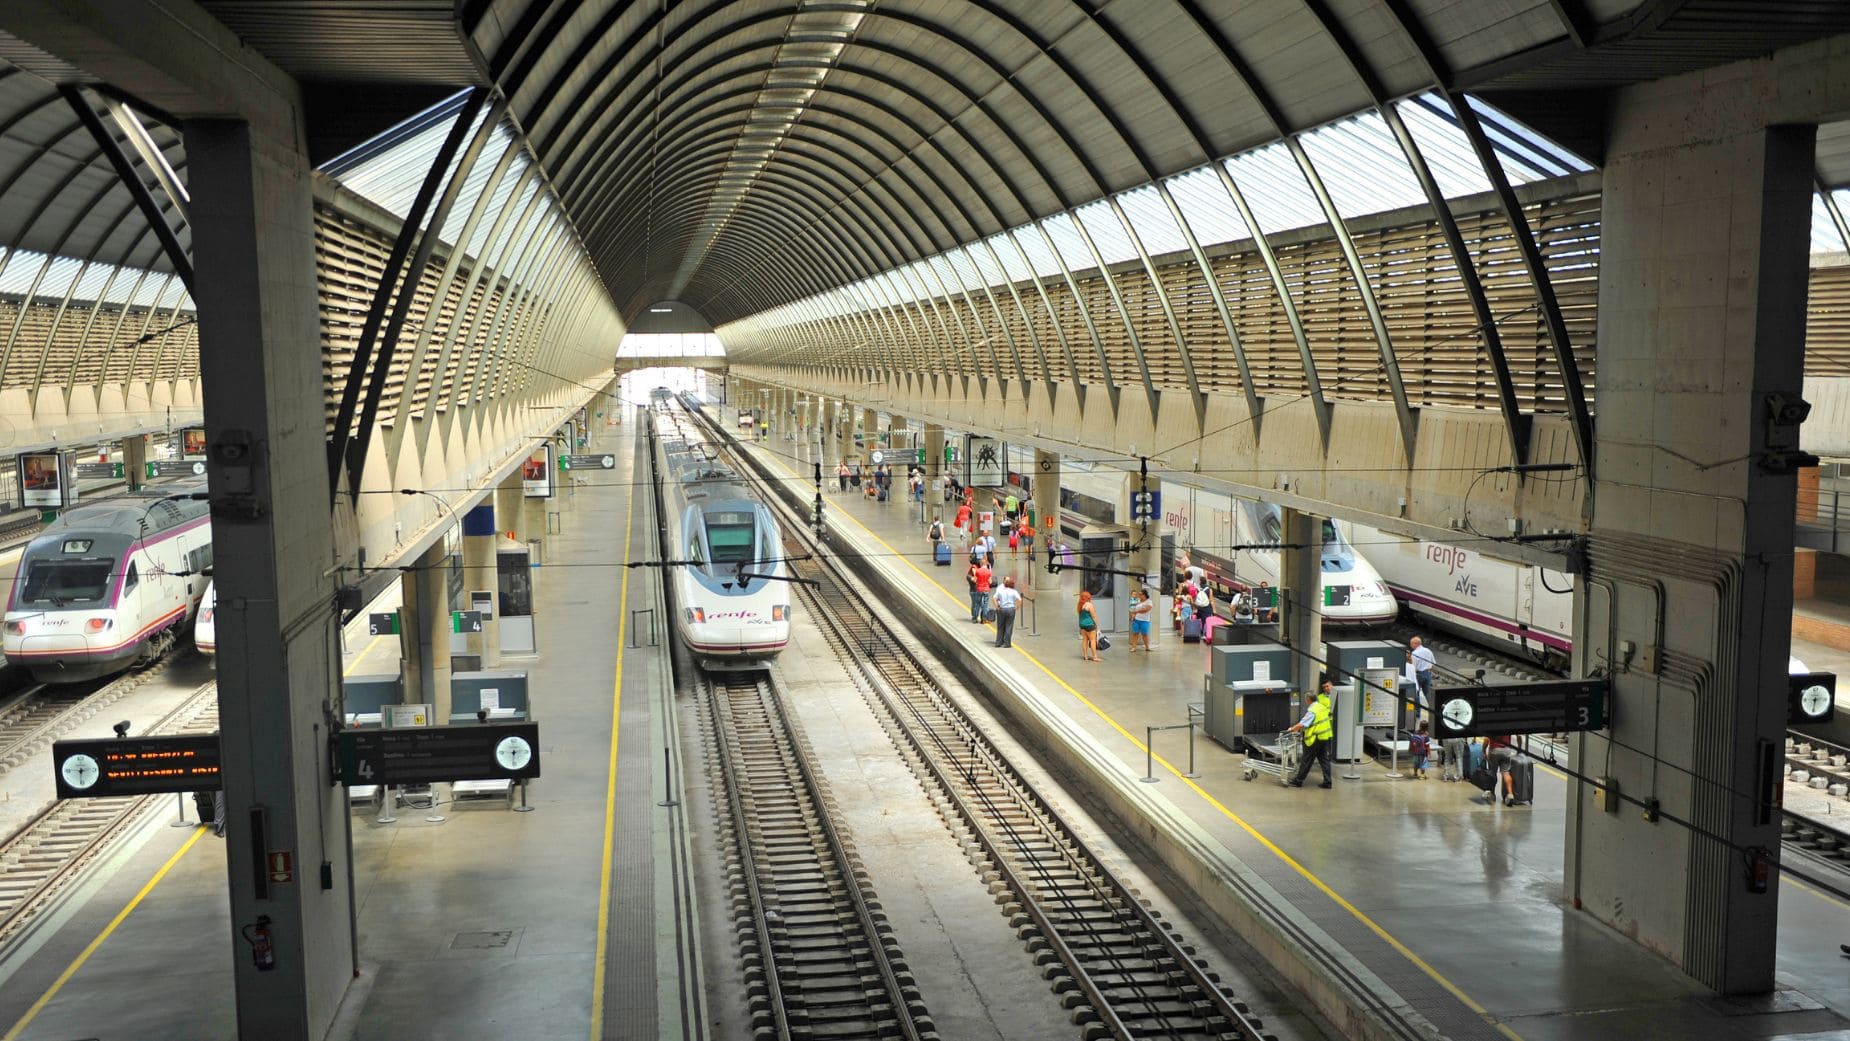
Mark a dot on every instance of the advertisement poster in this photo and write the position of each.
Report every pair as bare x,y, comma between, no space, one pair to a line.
536,473
41,479
193,443
985,463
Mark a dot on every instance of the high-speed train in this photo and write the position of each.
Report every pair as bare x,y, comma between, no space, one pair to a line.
205,627
1523,609
108,585
1209,524
731,597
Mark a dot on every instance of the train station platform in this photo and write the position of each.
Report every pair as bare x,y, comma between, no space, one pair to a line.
1389,900
560,923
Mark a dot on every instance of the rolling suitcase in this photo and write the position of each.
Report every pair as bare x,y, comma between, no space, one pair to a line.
1522,782
942,553
1191,631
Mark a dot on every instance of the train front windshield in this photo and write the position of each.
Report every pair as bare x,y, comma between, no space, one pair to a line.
1272,524
730,538
67,582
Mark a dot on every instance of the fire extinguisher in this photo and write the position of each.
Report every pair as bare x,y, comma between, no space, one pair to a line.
1759,868
263,951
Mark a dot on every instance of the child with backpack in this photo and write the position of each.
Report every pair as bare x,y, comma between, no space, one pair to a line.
1420,745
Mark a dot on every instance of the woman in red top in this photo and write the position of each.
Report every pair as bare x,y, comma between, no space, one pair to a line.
962,523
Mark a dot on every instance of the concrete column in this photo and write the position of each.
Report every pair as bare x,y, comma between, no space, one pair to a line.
1046,511
533,510
135,461
1703,275
424,632
1300,595
508,497
478,548
934,464
844,432
252,221
870,434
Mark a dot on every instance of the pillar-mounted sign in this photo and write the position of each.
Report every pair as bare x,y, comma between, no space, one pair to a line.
536,473
191,444
47,480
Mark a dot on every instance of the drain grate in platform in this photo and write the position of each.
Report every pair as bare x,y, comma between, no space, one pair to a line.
480,941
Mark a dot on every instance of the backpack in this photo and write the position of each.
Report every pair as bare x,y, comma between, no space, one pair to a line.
1201,598
937,531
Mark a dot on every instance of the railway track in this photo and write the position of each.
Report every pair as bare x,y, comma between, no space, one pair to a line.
45,856
1122,971
43,713
820,959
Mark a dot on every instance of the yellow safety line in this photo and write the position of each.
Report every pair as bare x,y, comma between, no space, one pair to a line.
78,962
610,792
1289,860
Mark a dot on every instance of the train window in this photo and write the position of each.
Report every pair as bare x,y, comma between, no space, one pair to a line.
133,577
730,543
65,582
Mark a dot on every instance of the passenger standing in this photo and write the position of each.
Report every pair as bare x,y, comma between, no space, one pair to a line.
1209,620
981,574
962,523
1026,534
1088,628
1262,602
1500,756
1423,661
1420,745
841,476
1142,607
1012,504
1319,738
1007,599
989,548
1457,752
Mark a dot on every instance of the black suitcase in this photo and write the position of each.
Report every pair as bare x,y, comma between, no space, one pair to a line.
1522,782
203,802
1191,631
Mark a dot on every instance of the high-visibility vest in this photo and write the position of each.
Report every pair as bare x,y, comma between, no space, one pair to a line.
1320,728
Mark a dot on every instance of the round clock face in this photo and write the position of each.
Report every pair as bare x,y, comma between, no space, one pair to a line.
80,771
1815,700
1456,713
513,753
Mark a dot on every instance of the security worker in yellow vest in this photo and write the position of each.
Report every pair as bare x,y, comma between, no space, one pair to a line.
1319,737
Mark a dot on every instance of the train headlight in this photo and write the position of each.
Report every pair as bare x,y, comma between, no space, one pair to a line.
695,615
779,612
97,625
206,615
16,628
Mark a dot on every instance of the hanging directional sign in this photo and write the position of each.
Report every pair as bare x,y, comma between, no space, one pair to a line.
382,623
426,755
98,471
176,468
1525,708
97,768
587,462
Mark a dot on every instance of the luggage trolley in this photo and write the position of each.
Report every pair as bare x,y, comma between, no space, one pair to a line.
1279,758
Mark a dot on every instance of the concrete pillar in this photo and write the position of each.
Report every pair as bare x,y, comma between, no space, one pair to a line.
844,431
424,632
135,460
1300,595
253,243
1046,513
1703,275
934,464
508,497
870,433
478,548
533,510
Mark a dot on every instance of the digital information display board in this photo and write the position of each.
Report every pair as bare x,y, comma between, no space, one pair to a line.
429,755
1524,708
99,768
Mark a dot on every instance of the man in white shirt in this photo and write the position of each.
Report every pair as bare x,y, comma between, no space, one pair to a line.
1422,660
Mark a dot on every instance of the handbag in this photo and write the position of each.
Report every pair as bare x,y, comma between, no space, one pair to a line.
1483,778
1104,642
